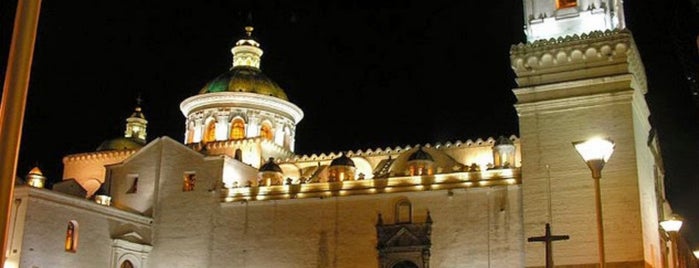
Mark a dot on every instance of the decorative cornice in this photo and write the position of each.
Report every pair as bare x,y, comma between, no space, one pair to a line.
395,150
489,178
241,99
574,103
594,46
98,155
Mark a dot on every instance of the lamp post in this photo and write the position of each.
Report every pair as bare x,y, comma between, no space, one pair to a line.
596,152
672,226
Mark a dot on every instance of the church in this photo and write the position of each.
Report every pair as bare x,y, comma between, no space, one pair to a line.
234,193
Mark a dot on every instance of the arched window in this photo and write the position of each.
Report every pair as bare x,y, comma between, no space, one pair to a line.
238,155
71,244
237,129
210,133
128,264
266,131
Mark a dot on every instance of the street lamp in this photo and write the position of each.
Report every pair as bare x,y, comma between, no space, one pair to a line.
596,152
672,226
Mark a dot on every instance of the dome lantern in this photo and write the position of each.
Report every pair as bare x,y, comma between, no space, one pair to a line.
246,51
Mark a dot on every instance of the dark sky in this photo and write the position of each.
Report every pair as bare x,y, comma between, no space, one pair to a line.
366,73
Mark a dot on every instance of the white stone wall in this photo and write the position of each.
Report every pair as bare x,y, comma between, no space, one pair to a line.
336,232
44,229
182,220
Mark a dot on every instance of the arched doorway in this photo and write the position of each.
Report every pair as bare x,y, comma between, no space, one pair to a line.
126,264
405,264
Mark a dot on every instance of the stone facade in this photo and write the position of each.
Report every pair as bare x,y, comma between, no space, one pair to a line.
204,203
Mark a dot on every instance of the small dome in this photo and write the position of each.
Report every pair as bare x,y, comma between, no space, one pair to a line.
343,160
121,144
244,79
420,155
36,171
502,140
270,166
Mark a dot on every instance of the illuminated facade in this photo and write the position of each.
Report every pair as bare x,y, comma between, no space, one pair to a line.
234,193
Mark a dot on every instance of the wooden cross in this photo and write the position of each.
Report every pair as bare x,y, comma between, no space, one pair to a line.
548,239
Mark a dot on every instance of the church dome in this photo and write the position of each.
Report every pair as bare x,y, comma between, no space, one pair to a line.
244,79
343,160
121,144
270,166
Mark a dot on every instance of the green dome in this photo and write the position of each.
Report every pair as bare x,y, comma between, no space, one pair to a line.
244,79
121,144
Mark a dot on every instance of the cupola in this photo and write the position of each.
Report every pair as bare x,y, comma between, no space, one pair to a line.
420,163
134,136
503,153
243,104
270,173
341,169
35,178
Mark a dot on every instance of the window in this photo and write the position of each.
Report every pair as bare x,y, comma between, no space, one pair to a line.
566,3
238,155
404,211
210,133
237,129
71,244
266,131
189,180
134,186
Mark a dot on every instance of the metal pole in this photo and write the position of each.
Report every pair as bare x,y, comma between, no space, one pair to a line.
14,99
600,226
673,240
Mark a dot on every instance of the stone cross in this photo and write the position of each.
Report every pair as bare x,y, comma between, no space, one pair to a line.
548,239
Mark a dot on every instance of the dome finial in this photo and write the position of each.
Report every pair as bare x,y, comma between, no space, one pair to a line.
248,30
139,100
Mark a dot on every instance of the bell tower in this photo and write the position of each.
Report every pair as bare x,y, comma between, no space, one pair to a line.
580,76
546,19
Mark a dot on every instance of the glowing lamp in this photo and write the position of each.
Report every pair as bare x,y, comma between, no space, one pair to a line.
696,253
673,224
595,152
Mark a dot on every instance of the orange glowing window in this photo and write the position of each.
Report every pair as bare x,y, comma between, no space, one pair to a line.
237,129
189,180
71,243
566,3
266,131
210,133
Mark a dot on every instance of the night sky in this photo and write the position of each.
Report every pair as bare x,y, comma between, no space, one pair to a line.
367,74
